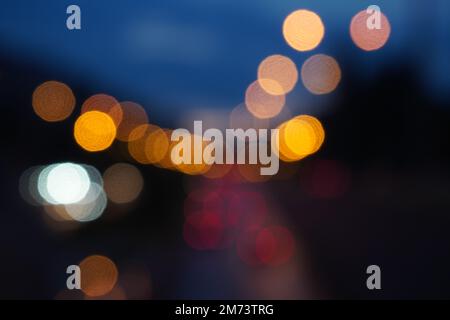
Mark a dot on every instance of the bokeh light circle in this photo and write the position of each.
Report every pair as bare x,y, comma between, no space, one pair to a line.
270,246
42,185
104,103
247,246
321,74
53,101
369,39
91,207
28,186
123,183
303,30
98,275
203,230
134,115
282,72
67,183
262,104
138,142
94,175
156,146
94,131
275,245
166,161
299,137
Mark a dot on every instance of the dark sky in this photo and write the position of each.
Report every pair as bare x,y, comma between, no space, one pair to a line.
184,55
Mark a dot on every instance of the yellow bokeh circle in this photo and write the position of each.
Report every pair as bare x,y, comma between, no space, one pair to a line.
94,131
299,137
303,30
